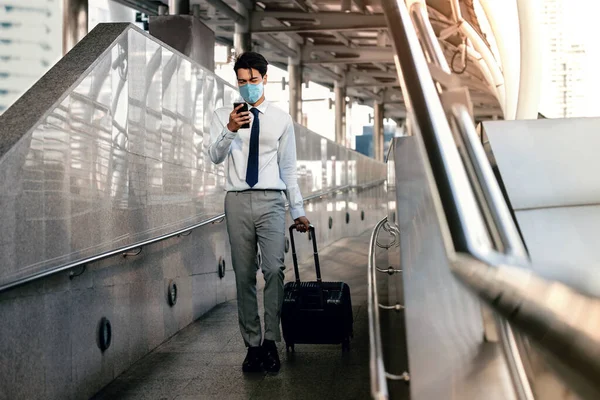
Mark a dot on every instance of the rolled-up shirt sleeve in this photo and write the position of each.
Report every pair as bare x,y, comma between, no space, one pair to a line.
286,155
220,140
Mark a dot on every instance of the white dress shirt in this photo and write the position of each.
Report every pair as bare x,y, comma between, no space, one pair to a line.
276,153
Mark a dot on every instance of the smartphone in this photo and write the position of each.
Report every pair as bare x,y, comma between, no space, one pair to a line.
244,108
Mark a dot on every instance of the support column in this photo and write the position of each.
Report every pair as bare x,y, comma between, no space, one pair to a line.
348,125
340,109
295,76
75,22
163,10
187,34
242,37
179,7
378,131
531,60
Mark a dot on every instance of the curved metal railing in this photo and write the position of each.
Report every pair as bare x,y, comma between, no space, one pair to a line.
379,374
379,388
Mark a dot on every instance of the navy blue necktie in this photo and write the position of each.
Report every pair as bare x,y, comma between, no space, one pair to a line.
252,169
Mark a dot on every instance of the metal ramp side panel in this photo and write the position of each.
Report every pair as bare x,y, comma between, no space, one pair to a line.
448,358
550,171
548,163
563,243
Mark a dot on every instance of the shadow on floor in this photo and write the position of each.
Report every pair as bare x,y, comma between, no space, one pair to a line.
203,361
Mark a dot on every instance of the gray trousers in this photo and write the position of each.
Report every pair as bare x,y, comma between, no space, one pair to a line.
257,217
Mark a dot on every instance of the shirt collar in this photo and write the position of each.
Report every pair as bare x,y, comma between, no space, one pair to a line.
263,106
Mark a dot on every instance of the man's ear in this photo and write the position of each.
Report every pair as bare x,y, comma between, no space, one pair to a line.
265,79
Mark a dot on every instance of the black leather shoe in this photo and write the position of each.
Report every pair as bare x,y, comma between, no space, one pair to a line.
270,357
253,361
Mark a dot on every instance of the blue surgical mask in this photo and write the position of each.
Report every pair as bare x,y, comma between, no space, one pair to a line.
252,92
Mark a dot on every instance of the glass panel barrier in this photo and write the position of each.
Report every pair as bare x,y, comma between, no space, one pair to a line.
121,157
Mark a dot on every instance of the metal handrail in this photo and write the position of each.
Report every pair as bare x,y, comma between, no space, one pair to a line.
379,375
107,254
509,234
139,245
421,22
504,231
344,188
491,194
379,389
515,292
549,312
510,241
425,106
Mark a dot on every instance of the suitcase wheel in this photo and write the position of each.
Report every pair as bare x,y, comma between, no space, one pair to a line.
346,345
290,348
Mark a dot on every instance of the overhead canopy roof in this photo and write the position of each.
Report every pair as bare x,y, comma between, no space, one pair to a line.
340,40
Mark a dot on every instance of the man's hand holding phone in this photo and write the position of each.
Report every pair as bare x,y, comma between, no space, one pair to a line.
238,118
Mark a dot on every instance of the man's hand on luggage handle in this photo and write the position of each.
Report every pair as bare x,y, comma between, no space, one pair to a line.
302,224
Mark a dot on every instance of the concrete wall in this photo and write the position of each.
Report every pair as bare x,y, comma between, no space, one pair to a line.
48,338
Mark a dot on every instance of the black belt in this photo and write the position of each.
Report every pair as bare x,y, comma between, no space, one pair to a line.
256,190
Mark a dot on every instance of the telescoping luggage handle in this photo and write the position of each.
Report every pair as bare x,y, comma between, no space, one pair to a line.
311,230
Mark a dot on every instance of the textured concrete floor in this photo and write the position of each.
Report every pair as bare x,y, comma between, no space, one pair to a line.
203,361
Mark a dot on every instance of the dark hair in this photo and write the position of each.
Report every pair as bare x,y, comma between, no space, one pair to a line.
251,60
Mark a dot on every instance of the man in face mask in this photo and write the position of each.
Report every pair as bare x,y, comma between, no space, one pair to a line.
260,164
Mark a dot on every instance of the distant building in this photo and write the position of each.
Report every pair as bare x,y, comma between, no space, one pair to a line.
364,142
564,82
30,43
31,40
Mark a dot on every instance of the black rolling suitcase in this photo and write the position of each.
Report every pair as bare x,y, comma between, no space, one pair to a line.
315,312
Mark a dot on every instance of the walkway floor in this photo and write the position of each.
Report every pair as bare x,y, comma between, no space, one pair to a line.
203,361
